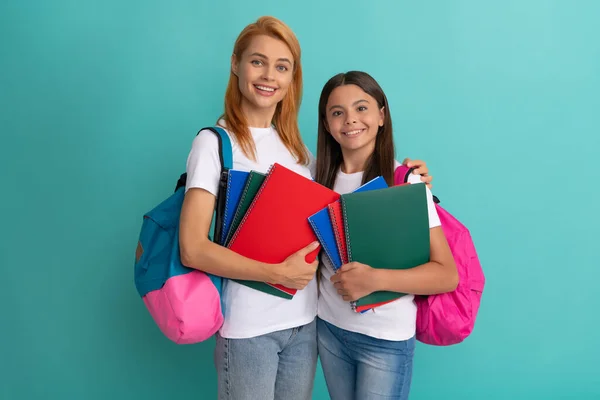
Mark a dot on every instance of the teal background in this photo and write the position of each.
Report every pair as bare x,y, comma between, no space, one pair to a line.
99,102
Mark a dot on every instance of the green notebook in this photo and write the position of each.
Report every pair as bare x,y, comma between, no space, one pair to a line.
253,184
387,228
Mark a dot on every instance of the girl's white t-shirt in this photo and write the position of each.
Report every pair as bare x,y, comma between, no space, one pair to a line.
248,312
392,321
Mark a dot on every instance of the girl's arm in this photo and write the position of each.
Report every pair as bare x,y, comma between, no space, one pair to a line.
355,280
199,252
439,275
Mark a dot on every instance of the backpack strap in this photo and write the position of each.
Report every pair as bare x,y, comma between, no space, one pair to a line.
225,154
401,175
226,159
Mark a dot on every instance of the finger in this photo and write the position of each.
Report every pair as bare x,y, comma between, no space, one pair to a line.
427,180
347,267
422,170
416,164
406,162
309,249
335,278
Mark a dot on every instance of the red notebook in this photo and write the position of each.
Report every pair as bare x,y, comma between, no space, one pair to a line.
336,215
276,223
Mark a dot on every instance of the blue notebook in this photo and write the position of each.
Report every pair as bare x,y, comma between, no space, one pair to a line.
321,225
236,181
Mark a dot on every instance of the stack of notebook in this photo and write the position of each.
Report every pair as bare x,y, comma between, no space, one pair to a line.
377,225
268,217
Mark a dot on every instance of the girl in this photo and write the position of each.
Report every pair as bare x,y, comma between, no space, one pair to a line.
368,356
266,348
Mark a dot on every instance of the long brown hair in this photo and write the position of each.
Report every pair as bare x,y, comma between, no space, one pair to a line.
286,113
329,152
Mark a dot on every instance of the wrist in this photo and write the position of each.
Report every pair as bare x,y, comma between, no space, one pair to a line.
379,280
271,272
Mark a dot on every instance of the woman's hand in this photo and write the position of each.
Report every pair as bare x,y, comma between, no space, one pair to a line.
354,281
295,272
420,168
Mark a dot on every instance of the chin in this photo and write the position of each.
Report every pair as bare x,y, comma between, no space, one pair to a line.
263,103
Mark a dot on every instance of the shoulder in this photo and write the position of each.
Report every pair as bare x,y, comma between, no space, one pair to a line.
206,143
207,138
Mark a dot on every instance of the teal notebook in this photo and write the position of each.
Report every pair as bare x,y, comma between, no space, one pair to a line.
253,183
387,228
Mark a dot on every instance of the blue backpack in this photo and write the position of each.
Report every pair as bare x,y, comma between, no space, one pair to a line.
185,303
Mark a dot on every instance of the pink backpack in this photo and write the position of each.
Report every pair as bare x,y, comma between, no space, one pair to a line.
448,318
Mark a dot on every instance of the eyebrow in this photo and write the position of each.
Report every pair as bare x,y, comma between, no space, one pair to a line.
355,103
283,59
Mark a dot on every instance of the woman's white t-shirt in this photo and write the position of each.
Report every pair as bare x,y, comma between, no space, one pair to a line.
391,321
248,312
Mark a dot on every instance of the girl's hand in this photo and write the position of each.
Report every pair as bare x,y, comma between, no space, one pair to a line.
420,168
354,280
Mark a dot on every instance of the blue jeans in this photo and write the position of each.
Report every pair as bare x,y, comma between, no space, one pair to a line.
362,367
278,365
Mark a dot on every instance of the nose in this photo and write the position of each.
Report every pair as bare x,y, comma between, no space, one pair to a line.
269,73
350,119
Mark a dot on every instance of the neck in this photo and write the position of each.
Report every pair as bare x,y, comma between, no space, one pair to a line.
258,117
356,160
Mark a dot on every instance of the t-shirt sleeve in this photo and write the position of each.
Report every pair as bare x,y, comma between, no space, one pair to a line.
203,164
434,219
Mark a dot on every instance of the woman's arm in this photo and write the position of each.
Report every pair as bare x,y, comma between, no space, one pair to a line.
420,168
199,252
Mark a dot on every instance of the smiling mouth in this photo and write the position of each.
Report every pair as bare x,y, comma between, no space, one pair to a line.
265,90
354,132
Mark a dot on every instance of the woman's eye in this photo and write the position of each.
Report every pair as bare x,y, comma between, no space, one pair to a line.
282,68
256,62
362,108
336,113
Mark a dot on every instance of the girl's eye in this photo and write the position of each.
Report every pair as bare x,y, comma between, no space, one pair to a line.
336,113
282,68
256,62
362,108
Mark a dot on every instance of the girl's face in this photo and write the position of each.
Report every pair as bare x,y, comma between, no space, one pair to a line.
353,118
265,72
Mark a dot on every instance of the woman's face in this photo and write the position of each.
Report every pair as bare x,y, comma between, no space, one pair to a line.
353,118
265,72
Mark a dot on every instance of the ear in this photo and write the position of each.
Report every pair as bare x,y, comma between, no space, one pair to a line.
382,116
326,125
234,65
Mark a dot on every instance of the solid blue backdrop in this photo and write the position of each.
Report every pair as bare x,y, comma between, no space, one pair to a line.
99,103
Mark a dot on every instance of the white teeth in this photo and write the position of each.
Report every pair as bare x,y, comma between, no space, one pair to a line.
353,133
266,89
